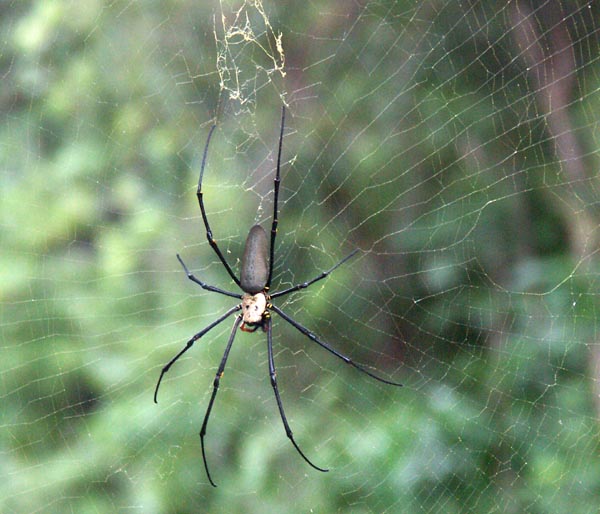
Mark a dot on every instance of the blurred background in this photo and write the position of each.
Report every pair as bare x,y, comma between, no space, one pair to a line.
455,143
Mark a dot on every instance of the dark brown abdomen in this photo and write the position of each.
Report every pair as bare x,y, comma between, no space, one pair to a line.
255,261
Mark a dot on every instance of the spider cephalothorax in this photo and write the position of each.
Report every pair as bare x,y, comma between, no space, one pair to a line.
254,310
256,301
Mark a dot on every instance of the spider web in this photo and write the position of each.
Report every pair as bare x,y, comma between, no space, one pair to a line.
453,143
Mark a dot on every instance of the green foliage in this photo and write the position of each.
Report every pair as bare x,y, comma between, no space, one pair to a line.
415,135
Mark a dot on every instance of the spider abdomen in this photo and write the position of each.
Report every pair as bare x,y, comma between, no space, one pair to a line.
255,261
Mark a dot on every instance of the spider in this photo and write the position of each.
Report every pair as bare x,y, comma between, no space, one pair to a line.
256,302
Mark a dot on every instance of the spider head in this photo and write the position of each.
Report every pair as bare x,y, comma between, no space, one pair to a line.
253,307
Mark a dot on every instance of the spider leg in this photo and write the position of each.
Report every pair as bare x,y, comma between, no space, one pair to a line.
276,183
216,382
273,375
209,235
304,285
330,349
204,285
189,344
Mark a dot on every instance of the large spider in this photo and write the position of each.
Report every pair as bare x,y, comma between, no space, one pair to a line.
255,282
